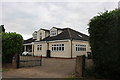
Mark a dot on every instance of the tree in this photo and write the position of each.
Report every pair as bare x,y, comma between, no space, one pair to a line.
104,32
12,44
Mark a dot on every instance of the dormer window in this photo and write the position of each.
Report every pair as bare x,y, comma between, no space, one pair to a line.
53,33
35,35
40,36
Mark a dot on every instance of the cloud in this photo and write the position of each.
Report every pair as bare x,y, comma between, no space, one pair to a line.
26,17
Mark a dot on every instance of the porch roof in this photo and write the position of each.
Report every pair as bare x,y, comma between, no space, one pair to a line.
28,41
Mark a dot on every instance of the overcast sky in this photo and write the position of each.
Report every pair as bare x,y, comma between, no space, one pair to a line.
27,17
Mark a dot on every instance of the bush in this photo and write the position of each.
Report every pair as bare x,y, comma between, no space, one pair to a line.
104,32
11,45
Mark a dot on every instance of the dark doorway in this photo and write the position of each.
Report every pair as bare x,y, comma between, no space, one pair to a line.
48,54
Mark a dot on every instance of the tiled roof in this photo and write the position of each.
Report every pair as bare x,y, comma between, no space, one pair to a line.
29,40
45,30
68,34
58,28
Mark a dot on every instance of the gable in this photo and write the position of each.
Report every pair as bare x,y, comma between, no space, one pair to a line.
53,31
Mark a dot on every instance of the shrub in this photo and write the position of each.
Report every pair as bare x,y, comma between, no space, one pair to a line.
104,32
11,45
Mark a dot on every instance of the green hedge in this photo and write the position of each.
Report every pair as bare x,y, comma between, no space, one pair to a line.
12,44
104,31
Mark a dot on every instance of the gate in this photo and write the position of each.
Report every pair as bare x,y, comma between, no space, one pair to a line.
28,61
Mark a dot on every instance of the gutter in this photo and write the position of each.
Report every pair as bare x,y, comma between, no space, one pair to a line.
47,45
71,48
71,41
53,41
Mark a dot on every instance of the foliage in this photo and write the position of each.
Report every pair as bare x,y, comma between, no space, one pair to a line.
104,32
11,45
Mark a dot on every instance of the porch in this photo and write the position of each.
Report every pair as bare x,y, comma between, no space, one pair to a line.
29,48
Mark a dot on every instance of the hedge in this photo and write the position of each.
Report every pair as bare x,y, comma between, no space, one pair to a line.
104,31
12,44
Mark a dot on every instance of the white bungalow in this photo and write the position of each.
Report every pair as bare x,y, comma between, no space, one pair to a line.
57,42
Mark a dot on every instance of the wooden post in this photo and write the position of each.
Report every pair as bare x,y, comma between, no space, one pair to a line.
80,66
18,61
83,65
24,47
41,60
32,49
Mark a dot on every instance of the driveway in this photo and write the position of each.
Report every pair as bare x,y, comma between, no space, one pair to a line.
51,68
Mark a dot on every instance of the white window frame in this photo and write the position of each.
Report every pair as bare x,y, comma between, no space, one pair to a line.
39,47
80,47
53,33
58,47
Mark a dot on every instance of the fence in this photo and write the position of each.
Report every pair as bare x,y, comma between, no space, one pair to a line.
27,61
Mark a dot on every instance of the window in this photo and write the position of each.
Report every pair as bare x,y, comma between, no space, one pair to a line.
40,36
53,33
80,47
39,47
58,47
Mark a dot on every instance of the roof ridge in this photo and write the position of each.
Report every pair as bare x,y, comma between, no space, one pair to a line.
58,28
43,29
79,32
69,33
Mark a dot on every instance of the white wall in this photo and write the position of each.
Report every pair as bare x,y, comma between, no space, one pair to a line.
60,31
34,35
44,34
47,34
43,51
77,53
65,54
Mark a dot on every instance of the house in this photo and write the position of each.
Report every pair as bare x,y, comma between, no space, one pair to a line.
57,42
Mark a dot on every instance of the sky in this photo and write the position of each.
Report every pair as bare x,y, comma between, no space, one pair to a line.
26,17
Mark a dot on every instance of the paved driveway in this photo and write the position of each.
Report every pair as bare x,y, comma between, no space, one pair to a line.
51,68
